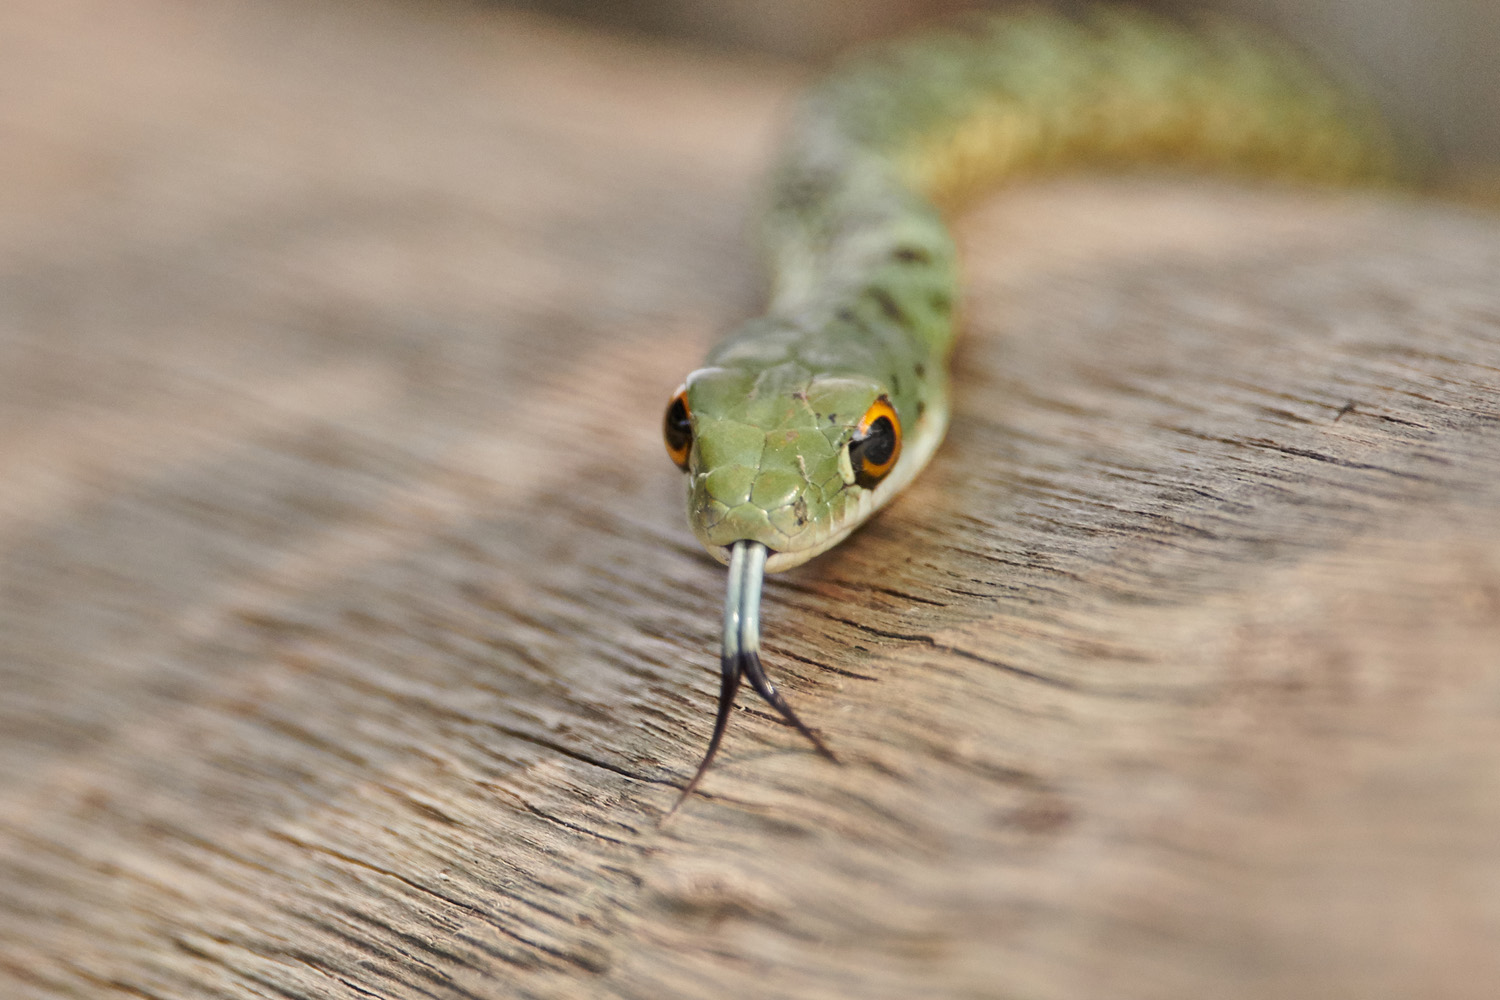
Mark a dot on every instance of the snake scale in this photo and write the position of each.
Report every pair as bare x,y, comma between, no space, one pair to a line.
806,420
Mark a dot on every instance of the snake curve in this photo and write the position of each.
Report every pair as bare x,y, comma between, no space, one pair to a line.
804,421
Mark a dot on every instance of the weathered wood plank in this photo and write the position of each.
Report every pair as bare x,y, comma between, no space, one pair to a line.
351,642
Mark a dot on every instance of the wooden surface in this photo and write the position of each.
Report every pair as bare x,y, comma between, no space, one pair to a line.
352,643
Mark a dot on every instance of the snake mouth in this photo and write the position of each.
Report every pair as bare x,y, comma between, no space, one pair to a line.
778,560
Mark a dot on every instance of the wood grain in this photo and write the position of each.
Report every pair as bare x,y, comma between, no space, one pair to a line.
352,643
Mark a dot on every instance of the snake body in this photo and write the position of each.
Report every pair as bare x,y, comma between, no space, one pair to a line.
806,420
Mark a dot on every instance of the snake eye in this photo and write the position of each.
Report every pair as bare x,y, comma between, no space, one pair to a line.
876,444
678,429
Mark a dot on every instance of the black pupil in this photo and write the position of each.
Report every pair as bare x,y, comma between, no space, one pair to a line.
679,426
878,444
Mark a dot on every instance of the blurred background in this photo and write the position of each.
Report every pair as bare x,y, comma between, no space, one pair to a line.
1433,64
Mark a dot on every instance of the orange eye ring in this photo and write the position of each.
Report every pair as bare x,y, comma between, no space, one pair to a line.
876,443
678,429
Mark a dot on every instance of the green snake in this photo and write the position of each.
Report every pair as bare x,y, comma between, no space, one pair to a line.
805,421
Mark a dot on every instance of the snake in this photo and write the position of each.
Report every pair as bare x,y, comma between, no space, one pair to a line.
807,419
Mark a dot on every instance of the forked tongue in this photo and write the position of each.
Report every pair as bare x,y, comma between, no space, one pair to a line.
740,657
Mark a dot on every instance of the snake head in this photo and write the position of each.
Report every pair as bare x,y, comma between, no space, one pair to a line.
778,456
